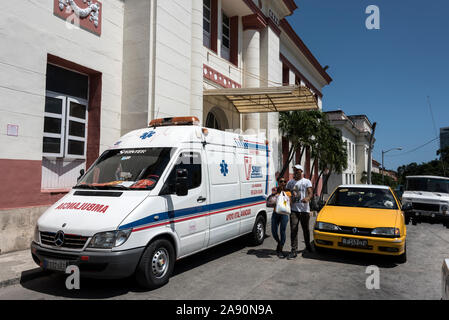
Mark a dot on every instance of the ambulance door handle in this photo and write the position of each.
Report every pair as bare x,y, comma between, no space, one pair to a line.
201,199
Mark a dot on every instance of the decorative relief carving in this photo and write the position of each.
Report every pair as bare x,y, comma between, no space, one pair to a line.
92,10
83,13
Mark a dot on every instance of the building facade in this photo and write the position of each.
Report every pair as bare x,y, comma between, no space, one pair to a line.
444,138
77,75
356,131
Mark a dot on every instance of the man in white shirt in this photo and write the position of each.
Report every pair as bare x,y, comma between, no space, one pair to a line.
302,193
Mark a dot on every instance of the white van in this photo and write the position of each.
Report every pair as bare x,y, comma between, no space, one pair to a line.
427,198
158,195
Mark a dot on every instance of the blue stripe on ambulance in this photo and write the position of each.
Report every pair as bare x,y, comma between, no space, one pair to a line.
173,214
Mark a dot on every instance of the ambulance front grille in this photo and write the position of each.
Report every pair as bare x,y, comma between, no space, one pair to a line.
70,241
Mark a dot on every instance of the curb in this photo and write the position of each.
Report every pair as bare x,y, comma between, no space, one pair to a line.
25,276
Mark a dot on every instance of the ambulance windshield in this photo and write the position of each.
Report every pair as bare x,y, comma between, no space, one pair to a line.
127,169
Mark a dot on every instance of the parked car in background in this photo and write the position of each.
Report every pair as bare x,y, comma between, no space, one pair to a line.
362,218
429,198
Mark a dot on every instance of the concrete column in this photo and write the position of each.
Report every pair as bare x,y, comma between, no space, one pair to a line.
271,73
251,72
292,78
137,30
196,95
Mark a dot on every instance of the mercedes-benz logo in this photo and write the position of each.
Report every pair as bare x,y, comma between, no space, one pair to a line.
354,230
59,238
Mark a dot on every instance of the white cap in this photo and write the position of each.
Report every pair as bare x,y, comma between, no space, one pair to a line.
298,167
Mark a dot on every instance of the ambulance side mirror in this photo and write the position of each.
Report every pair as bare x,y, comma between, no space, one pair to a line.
81,174
181,188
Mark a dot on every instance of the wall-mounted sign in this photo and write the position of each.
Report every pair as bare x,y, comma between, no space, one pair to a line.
85,14
273,17
12,130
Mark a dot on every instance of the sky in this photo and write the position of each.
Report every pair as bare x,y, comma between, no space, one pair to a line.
390,74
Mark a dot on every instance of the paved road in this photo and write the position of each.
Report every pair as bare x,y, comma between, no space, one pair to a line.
236,271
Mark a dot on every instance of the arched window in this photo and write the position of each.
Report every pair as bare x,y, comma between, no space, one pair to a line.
212,121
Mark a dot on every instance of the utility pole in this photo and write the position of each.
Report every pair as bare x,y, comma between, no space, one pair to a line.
383,168
370,152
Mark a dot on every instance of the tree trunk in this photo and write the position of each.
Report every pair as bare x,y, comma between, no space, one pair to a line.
285,166
313,169
316,184
326,180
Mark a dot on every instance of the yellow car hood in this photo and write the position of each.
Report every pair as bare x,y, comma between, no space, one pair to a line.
359,217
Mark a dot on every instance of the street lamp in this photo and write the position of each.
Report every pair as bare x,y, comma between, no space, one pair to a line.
383,152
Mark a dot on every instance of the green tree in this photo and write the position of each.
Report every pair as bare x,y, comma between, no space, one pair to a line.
433,168
444,154
299,127
312,129
332,153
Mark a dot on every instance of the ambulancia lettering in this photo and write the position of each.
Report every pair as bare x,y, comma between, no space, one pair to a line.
83,206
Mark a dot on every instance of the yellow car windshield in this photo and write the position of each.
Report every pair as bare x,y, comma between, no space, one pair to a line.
363,198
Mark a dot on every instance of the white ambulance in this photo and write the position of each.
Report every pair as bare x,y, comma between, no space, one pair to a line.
158,195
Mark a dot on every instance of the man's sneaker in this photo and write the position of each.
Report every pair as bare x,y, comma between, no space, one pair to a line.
309,249
292,255
281,254
278,248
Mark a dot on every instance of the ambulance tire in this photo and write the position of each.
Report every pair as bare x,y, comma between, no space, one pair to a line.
156,265
258,233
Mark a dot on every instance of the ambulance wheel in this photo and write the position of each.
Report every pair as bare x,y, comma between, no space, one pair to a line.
156,264
258,233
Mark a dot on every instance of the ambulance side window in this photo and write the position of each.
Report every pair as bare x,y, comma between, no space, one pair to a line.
191,161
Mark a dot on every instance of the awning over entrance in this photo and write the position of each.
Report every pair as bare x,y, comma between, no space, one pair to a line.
270,99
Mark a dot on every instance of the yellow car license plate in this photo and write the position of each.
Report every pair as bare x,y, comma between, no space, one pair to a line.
353,242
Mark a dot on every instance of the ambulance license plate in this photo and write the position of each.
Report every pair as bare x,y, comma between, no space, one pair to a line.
56,265
356,243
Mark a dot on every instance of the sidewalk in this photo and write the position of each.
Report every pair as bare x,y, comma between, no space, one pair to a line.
16,267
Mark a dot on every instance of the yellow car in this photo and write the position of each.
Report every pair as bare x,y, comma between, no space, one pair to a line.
362,218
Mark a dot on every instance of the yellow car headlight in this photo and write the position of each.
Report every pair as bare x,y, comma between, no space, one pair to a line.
324,226
386,232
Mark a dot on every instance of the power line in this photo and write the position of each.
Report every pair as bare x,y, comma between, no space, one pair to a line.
413,150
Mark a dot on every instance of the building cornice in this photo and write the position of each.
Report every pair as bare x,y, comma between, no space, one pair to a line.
261,17
297,72
254,22
291,5
287,28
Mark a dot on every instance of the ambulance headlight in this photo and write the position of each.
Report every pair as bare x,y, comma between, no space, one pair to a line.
121,237
109,239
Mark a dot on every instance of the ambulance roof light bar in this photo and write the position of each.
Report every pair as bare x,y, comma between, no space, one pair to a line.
175,121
